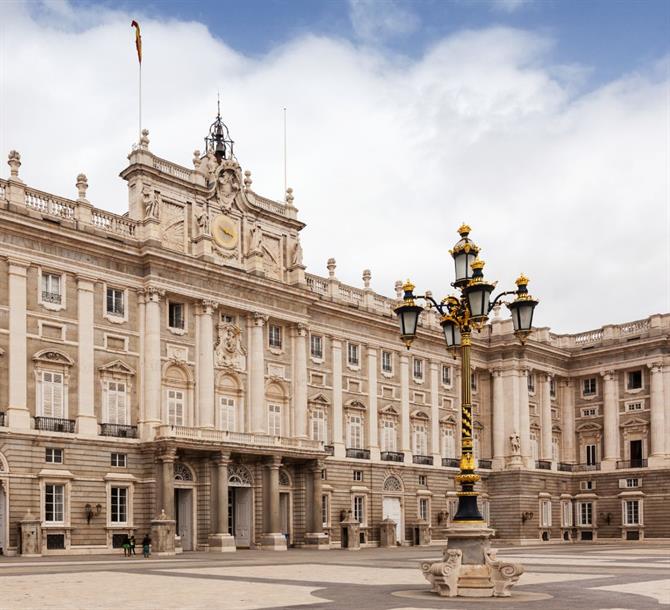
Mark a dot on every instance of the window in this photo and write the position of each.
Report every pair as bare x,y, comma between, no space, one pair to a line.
176,315
533,446
590,455
424,512
227,318
115,305
358,475
552,387
316,346
590,412
175,407
119,505
274,336
388,435
555,449
352,354
631,512
423,480
634,380
119,460
585,513
274,420
446,375
319,425
418,368
325,510
448,443
53,456
632,483
387,362
54,503
355,432
545,513
227,406
51,288
473,381
634,406
566,513
589,387
359,509
420,440
52,395
475,445
587,485
531,383
115,397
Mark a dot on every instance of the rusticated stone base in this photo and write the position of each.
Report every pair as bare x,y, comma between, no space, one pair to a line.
273,542
221,543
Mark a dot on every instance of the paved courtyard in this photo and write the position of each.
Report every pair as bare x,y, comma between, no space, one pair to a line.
566,577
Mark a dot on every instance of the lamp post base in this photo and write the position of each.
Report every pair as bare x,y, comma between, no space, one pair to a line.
469,567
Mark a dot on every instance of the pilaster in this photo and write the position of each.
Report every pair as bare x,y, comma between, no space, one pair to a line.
87,424
206,363
257,374
152,359
610,421
545,419
300,380
498,423
657,413
221,541
273,539
17,411
568,419
435,412
338,411
372,403
405,445
524,419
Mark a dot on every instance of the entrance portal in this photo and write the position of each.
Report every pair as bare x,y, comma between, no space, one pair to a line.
393,510
183,507
239,515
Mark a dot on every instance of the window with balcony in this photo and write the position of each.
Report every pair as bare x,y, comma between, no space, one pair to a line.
274,336
316,346
448,443
589,386
634,380
318,425
420,440
119,505
53,455
227,413
355,432
51,395
54,503
417,369
531,383
534,451
353,354
552,387
555,449
176,316
591,457
388,435
274,420
446,375
116,403
51,288
175,407
387,362
115,305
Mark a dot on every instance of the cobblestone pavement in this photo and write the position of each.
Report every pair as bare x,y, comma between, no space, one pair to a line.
605,577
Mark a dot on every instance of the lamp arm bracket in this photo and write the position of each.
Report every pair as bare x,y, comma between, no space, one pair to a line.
433,302
502,294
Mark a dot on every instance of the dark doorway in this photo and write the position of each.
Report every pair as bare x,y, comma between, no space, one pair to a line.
636,454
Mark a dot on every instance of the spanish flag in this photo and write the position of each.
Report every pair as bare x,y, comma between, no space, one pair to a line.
138,39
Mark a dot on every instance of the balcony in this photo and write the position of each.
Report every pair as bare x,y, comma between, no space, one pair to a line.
563,467
51,297
543,464
2,418
485,464
426,460
585,467
451,462
54,424
359,454
118,430
392,456
329,449
637,463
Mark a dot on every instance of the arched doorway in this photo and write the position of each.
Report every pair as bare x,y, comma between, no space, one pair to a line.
392,504
185,505
240,504
286,505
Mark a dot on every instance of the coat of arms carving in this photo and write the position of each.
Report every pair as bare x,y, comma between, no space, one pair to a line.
229,351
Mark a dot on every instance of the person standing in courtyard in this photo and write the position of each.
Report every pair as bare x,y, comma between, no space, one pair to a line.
126,546
132,545
146,546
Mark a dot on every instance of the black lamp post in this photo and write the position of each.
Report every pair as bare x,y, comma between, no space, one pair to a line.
460,316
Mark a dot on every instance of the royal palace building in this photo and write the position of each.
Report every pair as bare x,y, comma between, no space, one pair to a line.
178,363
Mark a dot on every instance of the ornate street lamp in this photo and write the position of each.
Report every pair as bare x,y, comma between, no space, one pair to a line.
460,316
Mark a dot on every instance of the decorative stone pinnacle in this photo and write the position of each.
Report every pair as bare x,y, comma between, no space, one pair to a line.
247,180
289,197
331,265
82,185
367,276
398,289
196,158
14,162
144,139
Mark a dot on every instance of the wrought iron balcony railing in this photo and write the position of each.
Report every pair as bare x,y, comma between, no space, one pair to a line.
329,449
638,463
392,456
423,459
451,462
563,467
51,297
118,430
485,464
361,454
585,467
543,464
54,424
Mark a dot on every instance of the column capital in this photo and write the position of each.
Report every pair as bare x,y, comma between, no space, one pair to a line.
655,367
336,342
258,318
274,462
371,350
566,382
168,454
17,266
317,466
222,458
404,358
85,283
608,375
207,307
496,372
301,329
152,294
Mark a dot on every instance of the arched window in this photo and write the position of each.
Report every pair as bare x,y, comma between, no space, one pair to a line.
182,472
229,398
392,483
176,385
276,401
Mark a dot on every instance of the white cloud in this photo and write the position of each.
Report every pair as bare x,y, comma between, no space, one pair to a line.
509,6
387,156
379,20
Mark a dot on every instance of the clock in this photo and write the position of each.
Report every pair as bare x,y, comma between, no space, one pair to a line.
224,232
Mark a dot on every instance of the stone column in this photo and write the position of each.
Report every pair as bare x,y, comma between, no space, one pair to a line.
300,380
221,541
435,412
17,410
657,414
610,421
274,539
511,413
317,539
257,374
206,364
524,419
372,403
87,424
545,419
405,445
152,359
568,415
498,420
167,482
338,410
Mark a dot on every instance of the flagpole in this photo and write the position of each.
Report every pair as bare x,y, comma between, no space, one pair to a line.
285,185
140,105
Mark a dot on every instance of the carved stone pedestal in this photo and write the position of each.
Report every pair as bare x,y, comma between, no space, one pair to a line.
387,533
469,567
162,536
221,543
31,536
273,542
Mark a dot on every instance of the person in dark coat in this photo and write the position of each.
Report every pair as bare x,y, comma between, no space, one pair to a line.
146,546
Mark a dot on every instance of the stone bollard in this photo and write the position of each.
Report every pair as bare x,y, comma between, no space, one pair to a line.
351,533
387,533
162,535
31,535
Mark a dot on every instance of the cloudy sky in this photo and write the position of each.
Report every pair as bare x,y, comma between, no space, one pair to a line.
544,125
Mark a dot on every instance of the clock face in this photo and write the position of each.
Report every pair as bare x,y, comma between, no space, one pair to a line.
224,231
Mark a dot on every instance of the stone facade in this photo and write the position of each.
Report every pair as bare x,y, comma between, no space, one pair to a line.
175,367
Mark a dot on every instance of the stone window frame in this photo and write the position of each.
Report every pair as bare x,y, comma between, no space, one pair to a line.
53,451
185,311
63,289
419,418
420,498
388,414
108,336
320,402
118,479
185,385
531,383
627,387
278,330
326,506
229,385
116,371
118,454
418,370
567,511
634,429
355,408
387,372
632,496
52,361
56,477
452,505
450,382
641,401
317,358
544,511
485,506
353,348
112,317
364,506
357,476
447,424
49,323
589,395
588,498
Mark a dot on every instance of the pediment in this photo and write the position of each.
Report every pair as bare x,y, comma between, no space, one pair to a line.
418,414
448,419
355,404
589,427
634,421
118,367
389,410
319,399
50,356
